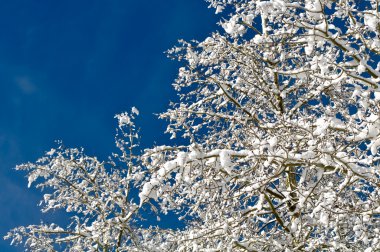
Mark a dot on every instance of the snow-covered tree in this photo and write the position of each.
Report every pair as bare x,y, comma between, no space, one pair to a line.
282,114
97,194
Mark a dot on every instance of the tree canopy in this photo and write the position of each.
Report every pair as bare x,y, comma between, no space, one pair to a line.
281,113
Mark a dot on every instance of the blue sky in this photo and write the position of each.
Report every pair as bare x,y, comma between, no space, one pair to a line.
67,67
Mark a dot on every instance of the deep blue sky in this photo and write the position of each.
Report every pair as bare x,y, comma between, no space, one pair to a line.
67,67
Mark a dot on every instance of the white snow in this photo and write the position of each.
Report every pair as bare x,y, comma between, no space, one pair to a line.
371,20
135,111
219,9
